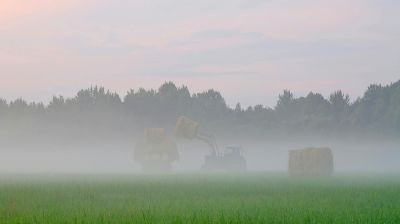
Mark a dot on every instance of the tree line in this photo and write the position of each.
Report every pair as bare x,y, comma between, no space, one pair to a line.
96,110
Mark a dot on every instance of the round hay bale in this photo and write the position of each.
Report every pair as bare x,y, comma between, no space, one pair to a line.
155,135
311,162
166,150
186,128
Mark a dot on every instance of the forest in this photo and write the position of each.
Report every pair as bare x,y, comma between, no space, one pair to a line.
96,111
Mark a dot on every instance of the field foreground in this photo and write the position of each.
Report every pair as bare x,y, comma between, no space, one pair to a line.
198,198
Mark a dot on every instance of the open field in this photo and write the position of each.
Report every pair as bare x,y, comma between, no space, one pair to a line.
198,198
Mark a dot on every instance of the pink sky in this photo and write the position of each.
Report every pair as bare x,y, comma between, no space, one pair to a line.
249,50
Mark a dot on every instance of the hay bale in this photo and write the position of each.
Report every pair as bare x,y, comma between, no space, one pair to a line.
166,151
311,162
155,135
186,128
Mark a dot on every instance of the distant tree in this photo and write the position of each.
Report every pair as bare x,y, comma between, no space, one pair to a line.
19,108
3,106
378,109
285,107
339,100
56,105
340,106
96,109
209,105
141,104
238,108
371,107
284,100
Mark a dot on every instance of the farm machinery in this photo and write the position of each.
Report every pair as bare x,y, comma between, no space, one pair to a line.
156,151
229,160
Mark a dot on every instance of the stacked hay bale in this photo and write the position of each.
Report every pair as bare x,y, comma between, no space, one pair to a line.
311,162
186,128
155,135
156,152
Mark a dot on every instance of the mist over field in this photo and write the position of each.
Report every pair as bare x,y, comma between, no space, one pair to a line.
97,131
114,158
222,112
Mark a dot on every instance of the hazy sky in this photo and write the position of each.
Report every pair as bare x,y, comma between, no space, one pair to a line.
249,50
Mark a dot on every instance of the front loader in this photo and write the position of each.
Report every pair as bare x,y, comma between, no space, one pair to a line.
229,160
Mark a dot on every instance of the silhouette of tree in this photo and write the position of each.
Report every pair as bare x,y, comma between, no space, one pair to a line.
96,109
340,107
3,106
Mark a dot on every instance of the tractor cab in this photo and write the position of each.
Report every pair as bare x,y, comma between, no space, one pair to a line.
230,160
233,151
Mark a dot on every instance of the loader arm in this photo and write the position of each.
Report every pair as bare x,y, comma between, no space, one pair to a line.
210,141
189,129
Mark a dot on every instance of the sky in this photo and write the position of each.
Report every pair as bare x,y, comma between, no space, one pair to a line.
249,50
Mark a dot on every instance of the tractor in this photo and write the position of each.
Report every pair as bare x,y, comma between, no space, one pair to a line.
230,160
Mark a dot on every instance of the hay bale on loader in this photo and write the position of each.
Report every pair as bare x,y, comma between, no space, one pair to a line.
230,160
186,128
156,152
311,162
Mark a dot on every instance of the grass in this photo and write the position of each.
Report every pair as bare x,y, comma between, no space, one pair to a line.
197,198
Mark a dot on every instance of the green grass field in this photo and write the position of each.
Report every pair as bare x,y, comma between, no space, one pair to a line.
197,198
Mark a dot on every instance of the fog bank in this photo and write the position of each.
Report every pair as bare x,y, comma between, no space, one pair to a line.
349,156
